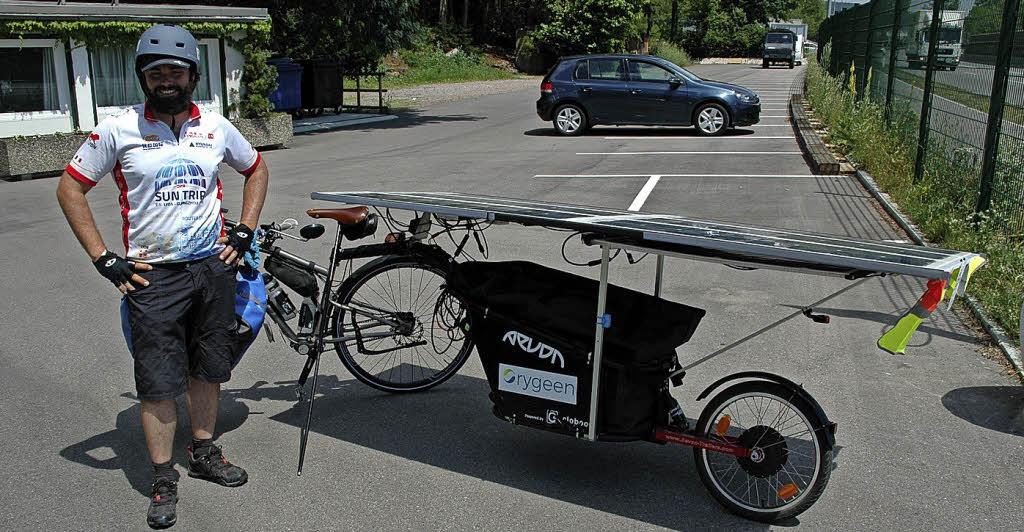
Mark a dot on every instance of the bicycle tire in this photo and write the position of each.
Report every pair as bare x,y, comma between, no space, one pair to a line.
378,284
773,463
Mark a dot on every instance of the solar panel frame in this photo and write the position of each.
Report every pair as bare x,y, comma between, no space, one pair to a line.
709,240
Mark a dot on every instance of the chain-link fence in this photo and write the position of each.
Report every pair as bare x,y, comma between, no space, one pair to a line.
951,73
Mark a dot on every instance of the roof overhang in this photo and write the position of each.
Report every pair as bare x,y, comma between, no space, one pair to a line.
98,12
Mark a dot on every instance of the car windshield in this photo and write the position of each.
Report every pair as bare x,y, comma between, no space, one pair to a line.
777,38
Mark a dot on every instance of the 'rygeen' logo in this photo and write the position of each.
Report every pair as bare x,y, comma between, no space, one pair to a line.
531,346
536,383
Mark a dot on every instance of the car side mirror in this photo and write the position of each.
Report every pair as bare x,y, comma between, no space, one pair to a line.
311,231
675,82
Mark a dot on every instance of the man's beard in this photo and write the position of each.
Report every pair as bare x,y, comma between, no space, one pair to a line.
172,104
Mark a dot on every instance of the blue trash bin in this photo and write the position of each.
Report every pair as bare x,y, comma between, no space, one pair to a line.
288,96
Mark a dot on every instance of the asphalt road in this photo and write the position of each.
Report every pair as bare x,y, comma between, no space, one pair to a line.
930,440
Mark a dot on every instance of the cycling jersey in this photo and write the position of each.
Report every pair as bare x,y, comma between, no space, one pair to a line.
170,191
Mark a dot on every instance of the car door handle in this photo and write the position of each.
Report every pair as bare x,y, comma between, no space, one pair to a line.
585,89
635,91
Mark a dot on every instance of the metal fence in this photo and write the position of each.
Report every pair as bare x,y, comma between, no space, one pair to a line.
961,100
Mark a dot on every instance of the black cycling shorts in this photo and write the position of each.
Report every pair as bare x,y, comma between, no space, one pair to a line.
182,325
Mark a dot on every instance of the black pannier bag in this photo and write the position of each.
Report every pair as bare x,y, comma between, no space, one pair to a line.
534,330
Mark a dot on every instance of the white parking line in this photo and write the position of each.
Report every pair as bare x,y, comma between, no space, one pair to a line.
690,153
604,176
641,196
743,137
774,116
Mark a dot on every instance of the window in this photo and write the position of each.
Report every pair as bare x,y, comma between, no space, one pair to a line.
115,82
640,71
28,81
608,69
778,38
582,71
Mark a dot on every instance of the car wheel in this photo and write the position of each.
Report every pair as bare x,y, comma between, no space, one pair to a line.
570,120
764,63
790,63
712,119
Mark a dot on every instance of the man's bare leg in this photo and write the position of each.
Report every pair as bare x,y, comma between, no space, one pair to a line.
202,399
159,419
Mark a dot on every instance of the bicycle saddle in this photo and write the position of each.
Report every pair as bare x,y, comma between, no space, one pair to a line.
351,215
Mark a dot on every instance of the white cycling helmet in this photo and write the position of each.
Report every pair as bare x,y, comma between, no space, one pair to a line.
166,45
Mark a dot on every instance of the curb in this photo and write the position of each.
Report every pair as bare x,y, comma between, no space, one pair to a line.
1004,342
822,160
338,124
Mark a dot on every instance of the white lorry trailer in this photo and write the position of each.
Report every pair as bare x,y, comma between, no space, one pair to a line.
949,48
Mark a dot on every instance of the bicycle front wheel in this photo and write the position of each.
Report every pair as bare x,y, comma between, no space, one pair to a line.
790,461
400,330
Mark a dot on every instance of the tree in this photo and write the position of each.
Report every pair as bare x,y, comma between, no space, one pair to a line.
589,26
812,12
356,33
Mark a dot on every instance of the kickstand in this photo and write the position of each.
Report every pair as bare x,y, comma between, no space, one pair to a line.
304,435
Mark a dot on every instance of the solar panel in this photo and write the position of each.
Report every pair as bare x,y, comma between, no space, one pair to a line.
667,233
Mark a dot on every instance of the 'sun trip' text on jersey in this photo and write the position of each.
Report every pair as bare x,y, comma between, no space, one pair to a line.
169,188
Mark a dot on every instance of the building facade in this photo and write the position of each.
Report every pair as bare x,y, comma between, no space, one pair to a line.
52,84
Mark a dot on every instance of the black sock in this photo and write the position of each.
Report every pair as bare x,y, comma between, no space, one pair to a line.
165,470
201,447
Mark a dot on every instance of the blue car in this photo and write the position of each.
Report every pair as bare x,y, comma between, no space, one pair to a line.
583,91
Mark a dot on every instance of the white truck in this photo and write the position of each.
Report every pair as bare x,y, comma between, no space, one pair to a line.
800,29
950,40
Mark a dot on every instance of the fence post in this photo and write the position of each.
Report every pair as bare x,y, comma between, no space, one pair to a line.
929,83
862,77
997,103
897,14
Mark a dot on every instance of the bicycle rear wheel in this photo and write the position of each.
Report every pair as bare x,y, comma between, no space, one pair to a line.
405,332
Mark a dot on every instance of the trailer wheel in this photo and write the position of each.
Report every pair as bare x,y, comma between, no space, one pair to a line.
790,461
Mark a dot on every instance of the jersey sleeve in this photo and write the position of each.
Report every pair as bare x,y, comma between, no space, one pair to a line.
238,152
97,155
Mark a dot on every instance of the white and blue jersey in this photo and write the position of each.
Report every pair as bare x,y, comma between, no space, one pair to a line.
170,191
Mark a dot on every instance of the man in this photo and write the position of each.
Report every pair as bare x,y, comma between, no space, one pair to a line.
178,275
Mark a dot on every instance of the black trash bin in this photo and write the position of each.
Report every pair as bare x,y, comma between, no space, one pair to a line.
533,327
321,85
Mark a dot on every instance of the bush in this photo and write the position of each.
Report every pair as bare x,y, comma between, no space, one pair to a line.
670,52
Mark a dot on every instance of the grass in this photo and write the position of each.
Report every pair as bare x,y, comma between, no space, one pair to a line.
941,204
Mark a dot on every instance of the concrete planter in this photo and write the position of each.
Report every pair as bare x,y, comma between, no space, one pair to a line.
274,130
43,154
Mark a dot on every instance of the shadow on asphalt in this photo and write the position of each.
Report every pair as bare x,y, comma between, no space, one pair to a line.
451,427
888,320
636,132
406,119
998,408
129,446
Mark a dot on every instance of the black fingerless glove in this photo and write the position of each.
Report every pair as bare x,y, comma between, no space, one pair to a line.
240,238
114,268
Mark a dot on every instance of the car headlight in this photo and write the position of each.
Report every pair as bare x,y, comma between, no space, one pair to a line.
746,98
